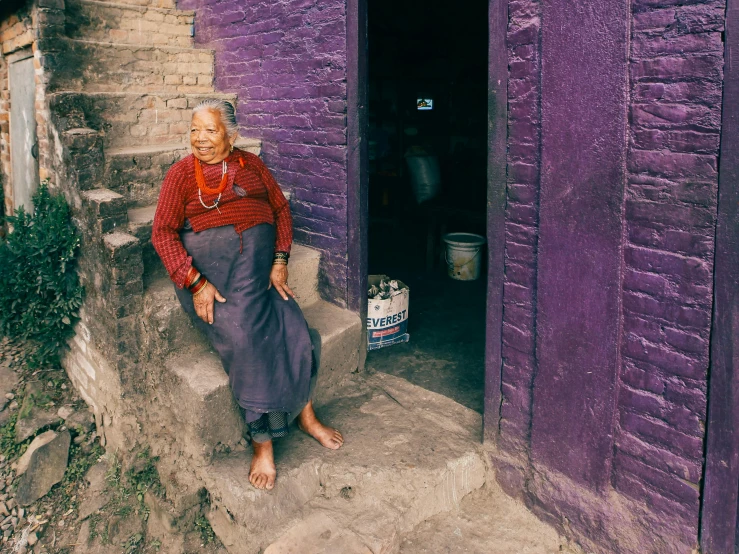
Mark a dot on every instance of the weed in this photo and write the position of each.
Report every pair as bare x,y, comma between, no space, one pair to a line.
34,399
143,475
95,520
134,543
202,524
79,462
8,447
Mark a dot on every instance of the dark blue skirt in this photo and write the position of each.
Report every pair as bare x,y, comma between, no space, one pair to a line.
263,340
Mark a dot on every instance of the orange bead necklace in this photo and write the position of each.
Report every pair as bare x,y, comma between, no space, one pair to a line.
200,178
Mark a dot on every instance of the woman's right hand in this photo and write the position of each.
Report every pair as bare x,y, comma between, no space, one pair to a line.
204,301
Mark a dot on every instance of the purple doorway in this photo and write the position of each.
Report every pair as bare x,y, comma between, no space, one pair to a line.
417,49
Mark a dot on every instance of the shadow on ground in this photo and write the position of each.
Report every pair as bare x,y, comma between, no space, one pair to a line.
447,338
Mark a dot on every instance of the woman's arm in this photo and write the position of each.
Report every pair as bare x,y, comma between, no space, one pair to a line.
283,230
168,220
165,236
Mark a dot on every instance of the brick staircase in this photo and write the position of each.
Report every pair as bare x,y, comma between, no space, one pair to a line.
127,79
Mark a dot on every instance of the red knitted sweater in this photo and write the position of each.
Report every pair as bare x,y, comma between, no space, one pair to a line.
178,200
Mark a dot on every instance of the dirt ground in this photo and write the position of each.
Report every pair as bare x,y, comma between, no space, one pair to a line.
103,505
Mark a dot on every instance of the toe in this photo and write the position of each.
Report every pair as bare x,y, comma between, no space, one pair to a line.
270,484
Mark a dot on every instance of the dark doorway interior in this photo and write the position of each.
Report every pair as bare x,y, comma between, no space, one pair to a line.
427,177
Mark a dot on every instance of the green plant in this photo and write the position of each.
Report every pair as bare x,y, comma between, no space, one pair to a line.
143,475
41,294
40,399
134,543
207,535
8,447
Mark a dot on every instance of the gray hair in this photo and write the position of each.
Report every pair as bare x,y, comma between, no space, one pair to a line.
227,111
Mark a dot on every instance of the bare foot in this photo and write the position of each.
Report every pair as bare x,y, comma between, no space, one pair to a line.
309,423
263,471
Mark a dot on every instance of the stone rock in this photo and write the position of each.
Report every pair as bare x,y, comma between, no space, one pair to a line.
80,421
32,418
8,381
65,412
42,466
96,496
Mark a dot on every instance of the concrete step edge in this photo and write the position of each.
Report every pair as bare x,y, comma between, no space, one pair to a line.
134,7
126,46
193,396
167,95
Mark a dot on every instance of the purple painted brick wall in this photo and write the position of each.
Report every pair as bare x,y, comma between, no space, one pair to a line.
519,296
287,62
674,111
675,114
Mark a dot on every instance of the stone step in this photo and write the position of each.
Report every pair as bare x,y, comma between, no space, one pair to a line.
408,455
194,397
302,268
133,118
191,381
128,24
137,172
92,66
167,4
340,332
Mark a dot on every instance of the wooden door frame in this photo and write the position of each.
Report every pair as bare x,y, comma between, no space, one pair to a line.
357,165
497,150
721,478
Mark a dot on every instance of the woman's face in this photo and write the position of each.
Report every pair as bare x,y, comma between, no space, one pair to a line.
208,138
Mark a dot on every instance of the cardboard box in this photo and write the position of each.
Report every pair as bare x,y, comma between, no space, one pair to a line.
387,320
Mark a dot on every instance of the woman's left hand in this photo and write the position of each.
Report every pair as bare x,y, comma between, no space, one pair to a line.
278,279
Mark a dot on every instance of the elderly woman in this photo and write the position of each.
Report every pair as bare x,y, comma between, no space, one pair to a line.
223,231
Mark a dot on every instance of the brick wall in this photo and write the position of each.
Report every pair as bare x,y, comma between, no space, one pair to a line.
287,62
519,297
100,387
675,113
672,142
